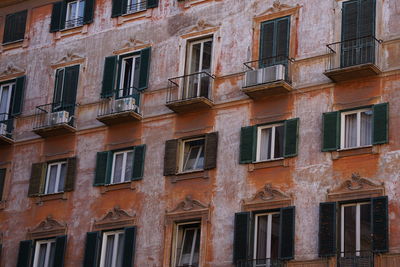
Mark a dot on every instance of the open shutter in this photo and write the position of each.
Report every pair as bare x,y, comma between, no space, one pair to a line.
89,11
211,148
291,134
241,239
331,130
380,123
59,254
36,182
144,68
247,144
380,230
170,157
129,247
91,249
267,43
103,168
287,233
24,253
152,3
70,88
327,229
18,97
71,174
349,19
117,6
55,24
138,162
2,182
110,68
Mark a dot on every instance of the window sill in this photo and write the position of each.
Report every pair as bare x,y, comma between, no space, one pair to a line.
121,186
14,45
281,162
190,3
354,152
133,16
49,197
189,175
71,31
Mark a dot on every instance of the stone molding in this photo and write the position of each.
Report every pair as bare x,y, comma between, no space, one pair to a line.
131,45
267,198
116,218
69,59
188,208
11,71
49,227
278,8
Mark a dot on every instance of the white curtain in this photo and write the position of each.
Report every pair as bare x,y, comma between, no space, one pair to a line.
366,128
262,238
265,146
350,131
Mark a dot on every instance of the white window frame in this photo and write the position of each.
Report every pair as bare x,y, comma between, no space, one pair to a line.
358,228
141,5
269,233
58,176
11,88
37,250
178,258
67,17
62,88
117,235
259,129
122,74
343,125
182,154
124,162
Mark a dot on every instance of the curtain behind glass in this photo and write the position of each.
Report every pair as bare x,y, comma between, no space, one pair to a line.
262,238
350,130
265,146
366,128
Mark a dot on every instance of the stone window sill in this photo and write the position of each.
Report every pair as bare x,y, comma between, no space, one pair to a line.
57,196
14,45
122,186
134,16
354,152
189,175
189,3
268,164
71,31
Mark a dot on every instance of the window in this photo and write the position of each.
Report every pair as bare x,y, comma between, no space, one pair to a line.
270,142
6,91
266,238
71,13
14,29
123,7
187,243
129,75
55,178
44,253
75,12
122,167
356,128
135,6
65,90
193,154
112,249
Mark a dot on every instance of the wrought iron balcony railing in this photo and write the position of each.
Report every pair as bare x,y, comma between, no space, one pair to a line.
355,259
134,7
123,100
74,22
260,263
54,114
6,125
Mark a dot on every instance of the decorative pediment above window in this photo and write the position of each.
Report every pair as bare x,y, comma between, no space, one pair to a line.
10,72
131,45
69,59
201,28
267,198
116,218
356,188
48,228
189,208
277,9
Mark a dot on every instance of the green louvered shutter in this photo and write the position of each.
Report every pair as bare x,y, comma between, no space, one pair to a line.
291,134
18,97
171,157
267,43
71,174
56,17
241,238
327,229
282,39
70,88
380,124
138,162
63,16
211,148
89,11
152,3
145,55
14,28
59,254
109,72
247,144
366,20
117,6
36,182
2,182
380,229
331,131
25,253
129,247
349,20
287,233
91,249
103,168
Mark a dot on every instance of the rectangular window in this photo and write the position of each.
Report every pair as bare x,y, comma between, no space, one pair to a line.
266,238
135,6
122,167
44,253
112,249
6,91
75,13
129,75
55,178
356,128
187,244
192,156
14,29
270,142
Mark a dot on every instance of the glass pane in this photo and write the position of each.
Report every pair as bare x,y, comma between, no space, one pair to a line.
129,163
136,73
52,180
349,230
365,227
81,9
72,10
200,160
366,128
262,225
279,141
120,249
265,146
118,168
191,158
127,76
59,87
195,60
52,253
350,134
196,252
4,95
42,255
63,174
275,236
193,155
109,251
187,247
207,49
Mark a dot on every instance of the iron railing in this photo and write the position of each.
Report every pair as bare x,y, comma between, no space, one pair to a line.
260,263
355,259
46,115
190,86
74,22
353,52
122,100
6,124
136,7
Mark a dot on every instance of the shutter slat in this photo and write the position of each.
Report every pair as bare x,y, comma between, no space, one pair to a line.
71,174
15,24
331,130
170,157
380,231
282,38
129,247
241,239
24,253
366,23
91,249
18,96
55,23
70,88
287,233
109,72
211,148
247,144
2,182
349,20
117,6
380,123
59,254
138,162
327,229
145,55
291,133
36,181
63,14
89,11
152,3
102,169
267,43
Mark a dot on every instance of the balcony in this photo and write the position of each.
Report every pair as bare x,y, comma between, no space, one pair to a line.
122,107
72,23
191,92
268,76
355,58
260,263
6,129
54,119
355,259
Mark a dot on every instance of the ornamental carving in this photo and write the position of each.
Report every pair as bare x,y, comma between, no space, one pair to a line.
276,7
130,45
114,218
188,208
47,228
203,25
69,58
267,198
189,204
11,70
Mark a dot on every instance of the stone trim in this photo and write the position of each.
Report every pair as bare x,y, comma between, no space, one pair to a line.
267,198
11,72
49,197
189,175
131,45
49,227
268,164
121,186
69,59
116,218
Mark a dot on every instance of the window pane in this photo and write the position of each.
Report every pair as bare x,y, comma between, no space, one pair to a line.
63,174
195,60
81,9
187,247
127,76
207,49
262,225
120,249
365,227
118,168
366,128
275,236
72,8
193,155
52,179
279,141
349,230
42,255
128,169
196,252
4,95
350,134
52,253
109,251
59,87
200,160
136,74
265,146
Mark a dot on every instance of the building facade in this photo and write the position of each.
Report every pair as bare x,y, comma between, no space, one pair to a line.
199,133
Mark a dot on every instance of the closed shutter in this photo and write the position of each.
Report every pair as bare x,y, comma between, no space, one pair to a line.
267,43
138,162
59,254
2,182
211,148
71,174
152,3
291,134
63,15
380,230
36,182
366,23
89,11
129,246
282,39
14,29
331,130
18,97
287,233
349,20
117,6
241,239
70,88
170,157
110,68
144,68
380,123
91,249
103,168
24,253
247,144
327,229
56,17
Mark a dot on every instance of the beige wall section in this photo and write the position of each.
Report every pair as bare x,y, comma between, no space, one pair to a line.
306,177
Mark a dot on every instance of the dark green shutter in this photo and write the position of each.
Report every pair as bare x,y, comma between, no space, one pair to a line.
267,43
59,254
71,174
117,6
291,134
282,38
70,88
152,3
331,131
103,168
358,19
287,233
56,17
138,162
241,238
63,14
129,246
211,148
18,96
110,68
24,253
36,181
247,144
380,230
91,249
349,20
89,11
366,20
327,229
2,182
144,68
170,157
14,29
380,124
